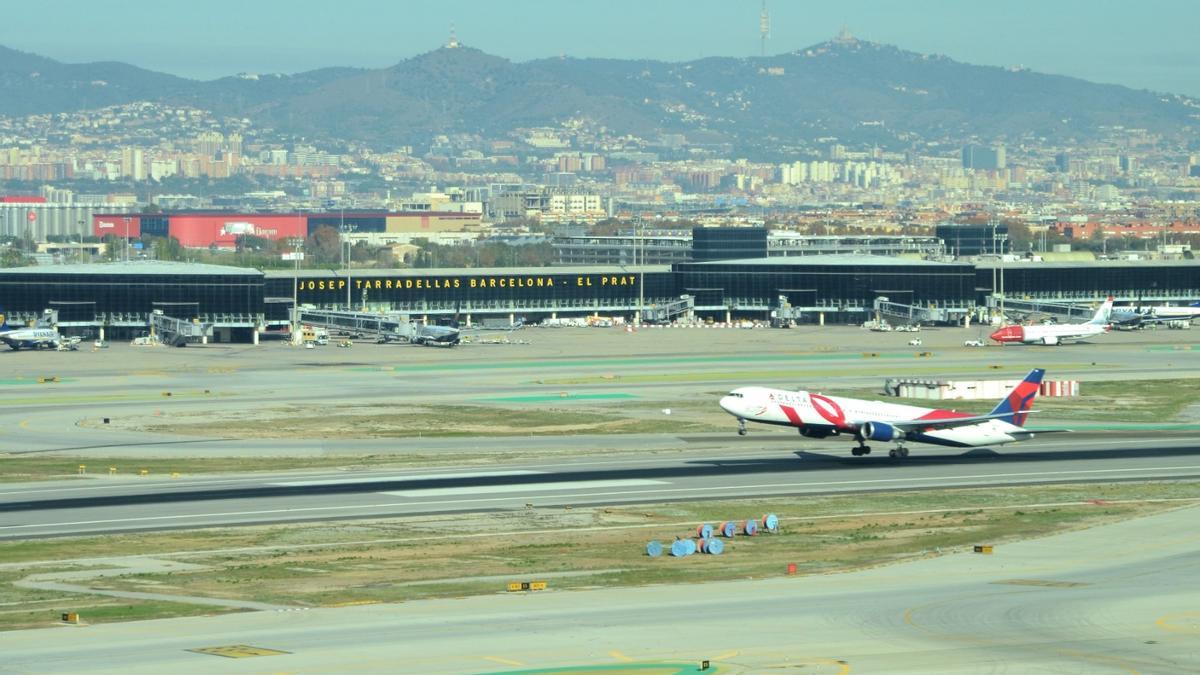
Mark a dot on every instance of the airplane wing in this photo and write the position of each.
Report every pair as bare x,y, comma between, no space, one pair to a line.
947,423
1153,319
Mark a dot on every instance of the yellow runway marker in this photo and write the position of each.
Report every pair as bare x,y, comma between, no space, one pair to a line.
507,662
24,424
726,655
238,651
1180,622
619,656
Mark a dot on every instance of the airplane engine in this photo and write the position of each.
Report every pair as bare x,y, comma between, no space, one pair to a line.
1050,340
878,431
817,433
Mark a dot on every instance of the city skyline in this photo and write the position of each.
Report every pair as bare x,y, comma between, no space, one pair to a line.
1145,46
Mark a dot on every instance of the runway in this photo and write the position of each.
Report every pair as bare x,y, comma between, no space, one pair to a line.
1120,598
791,466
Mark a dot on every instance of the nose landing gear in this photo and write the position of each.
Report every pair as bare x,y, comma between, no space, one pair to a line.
741,427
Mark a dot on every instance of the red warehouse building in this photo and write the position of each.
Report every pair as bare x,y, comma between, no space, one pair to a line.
203,230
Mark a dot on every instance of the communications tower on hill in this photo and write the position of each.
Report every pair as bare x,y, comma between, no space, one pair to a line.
764,28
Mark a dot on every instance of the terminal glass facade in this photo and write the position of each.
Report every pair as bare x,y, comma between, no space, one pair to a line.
1124,281
756,286
973,239
728,243
90,296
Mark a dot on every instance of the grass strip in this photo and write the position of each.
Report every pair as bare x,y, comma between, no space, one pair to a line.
393,560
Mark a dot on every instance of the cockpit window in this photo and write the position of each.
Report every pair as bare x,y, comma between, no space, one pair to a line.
735,394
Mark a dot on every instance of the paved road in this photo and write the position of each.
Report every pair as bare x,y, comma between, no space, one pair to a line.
1115,599
794,467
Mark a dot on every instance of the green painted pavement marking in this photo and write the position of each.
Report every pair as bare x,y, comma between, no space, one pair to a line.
651,361
1174,348
558,397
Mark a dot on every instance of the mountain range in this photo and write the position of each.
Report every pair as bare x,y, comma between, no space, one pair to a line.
849,89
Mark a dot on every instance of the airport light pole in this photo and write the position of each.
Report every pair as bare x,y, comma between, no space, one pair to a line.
296,256
641,244
349,259
1003,238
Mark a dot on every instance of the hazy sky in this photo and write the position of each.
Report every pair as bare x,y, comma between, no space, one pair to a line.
1146,44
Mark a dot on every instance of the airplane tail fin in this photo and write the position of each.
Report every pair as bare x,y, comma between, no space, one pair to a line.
1018,401
1102,314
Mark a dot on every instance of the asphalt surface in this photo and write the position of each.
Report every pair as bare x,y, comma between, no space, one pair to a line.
1118,598
1114,599
128,503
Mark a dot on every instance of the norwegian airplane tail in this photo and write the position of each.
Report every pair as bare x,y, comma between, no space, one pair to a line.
1101,317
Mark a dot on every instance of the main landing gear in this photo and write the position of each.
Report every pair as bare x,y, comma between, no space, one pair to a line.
898,451
741,427
862,449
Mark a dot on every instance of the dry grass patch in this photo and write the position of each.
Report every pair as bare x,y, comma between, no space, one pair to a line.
403,559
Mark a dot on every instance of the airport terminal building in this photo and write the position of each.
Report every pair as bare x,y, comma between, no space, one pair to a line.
242,303
730,277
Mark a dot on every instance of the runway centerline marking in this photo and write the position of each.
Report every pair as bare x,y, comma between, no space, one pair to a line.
524,487
507,662
500,499
409,477
199,481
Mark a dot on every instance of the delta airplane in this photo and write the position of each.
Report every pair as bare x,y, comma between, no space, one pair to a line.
1057,333
819,416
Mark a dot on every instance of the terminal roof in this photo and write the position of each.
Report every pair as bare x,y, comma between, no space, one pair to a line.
1083,264
136,267
326,272
847,259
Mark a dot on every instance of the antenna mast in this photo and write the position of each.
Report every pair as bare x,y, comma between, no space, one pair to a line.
764,27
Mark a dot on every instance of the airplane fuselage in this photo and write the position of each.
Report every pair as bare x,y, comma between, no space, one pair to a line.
29,338
1057,334
818,416
1047,335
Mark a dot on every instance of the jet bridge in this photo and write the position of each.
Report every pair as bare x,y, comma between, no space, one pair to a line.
1062,311
665,312
176,332
384,326
785,314
917,314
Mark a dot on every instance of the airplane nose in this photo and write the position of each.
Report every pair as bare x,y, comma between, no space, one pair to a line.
1008,334
728,404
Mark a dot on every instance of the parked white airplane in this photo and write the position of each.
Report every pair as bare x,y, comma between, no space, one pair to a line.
819,416
1057,333
1139,316
34,337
